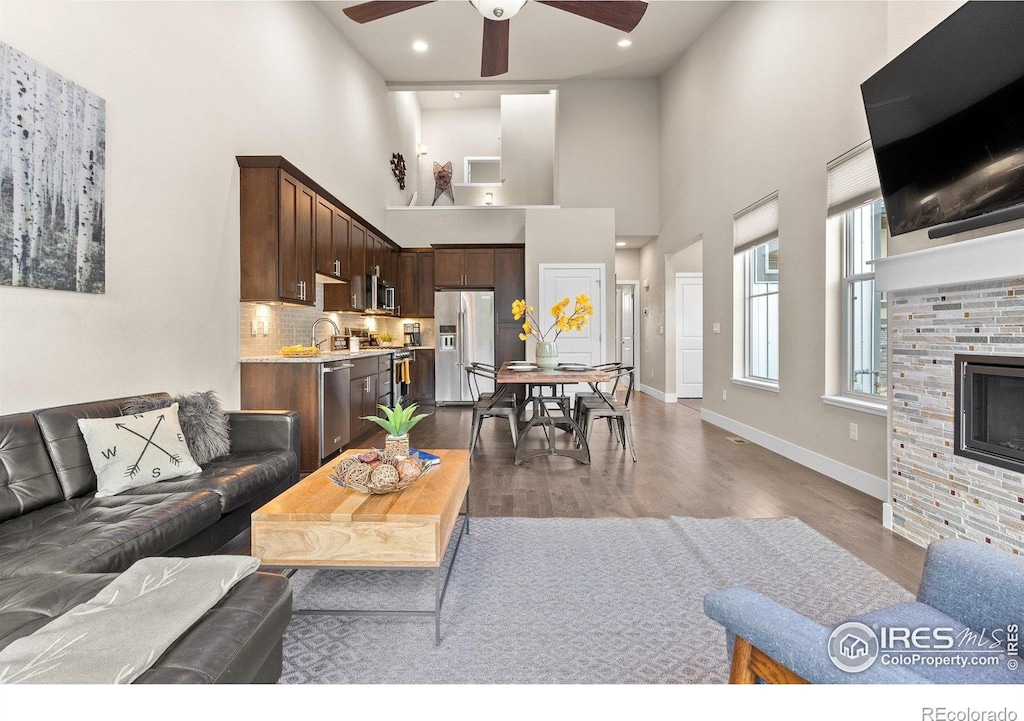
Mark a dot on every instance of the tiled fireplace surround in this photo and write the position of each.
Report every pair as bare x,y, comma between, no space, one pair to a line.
934,493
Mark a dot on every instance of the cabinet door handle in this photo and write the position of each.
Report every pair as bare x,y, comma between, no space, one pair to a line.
353,300
337,267
302,290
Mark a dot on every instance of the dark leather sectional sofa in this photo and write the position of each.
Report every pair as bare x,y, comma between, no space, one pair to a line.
59,544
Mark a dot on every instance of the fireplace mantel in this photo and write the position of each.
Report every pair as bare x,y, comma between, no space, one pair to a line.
994,257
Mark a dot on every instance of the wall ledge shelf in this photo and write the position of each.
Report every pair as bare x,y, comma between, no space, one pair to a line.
994,257
489,208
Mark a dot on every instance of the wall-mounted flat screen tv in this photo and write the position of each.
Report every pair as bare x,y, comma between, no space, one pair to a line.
947,122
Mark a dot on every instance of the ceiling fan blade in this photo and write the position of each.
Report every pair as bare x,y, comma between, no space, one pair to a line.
494,58
622,16
365,12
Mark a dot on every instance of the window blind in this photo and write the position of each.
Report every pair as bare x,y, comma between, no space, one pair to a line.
756,223
852,180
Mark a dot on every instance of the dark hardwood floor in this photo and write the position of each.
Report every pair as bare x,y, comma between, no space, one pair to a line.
686,468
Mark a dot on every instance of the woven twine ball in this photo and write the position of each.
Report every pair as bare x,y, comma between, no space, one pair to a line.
384,477
338,473
358,476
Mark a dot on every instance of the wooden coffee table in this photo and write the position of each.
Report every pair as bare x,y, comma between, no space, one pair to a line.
317,524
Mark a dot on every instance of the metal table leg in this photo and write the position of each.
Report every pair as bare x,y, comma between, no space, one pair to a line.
440,589
549,423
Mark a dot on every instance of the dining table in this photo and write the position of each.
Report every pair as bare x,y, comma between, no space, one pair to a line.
536,380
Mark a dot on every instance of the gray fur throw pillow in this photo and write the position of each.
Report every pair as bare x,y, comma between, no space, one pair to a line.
203,422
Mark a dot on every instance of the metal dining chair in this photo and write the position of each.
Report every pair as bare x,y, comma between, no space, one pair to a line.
486,405
610,407
581,397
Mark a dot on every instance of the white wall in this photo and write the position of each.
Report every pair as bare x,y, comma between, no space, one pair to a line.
609,150
761,102
452,135
187,86
527,149
627,264
690,259
572,236
405,132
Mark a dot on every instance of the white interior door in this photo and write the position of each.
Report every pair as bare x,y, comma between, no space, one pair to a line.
690,335
625,317
558,281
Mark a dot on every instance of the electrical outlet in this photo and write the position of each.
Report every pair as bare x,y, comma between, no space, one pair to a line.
254,327
716,327
650,373
661,330
266,327
853,431
725,395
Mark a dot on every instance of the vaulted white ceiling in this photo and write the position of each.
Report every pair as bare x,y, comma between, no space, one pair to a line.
545,44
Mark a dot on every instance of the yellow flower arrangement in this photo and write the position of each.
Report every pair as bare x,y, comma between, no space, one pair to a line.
564,321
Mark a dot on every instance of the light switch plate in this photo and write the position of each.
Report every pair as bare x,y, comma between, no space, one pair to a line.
266,327
853,431
716,327
254,327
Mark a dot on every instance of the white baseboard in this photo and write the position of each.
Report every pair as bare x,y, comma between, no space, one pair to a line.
887,516
853,477
654,392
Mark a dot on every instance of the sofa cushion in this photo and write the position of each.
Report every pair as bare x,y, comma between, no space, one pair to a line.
202,419
236,639
27,603
100,535
231,643
135,450
27,479
64,441
236,477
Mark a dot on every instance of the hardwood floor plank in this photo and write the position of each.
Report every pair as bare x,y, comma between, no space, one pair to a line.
685,467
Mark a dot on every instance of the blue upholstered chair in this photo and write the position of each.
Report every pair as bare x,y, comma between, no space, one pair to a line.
965,585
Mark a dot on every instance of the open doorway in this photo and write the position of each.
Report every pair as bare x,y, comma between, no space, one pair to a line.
627,324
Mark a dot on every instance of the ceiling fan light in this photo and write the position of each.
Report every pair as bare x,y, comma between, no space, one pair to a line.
498,9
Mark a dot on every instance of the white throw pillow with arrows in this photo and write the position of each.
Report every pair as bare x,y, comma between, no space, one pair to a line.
136,450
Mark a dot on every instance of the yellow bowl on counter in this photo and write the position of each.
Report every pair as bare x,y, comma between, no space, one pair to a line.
300,351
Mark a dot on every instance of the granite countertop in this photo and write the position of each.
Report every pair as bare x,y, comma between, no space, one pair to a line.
324,357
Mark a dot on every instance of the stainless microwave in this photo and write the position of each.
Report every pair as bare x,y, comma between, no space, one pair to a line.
380,295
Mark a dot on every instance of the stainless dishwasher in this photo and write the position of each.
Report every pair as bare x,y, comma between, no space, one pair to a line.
334,406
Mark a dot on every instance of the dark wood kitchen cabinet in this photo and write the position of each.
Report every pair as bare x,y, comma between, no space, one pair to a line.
332,240
426,283
464,267
416,283
292,386
406,286
421,376
278,222
510,282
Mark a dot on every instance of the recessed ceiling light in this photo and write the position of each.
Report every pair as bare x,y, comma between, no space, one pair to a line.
420,46
621,244
625,43
458,95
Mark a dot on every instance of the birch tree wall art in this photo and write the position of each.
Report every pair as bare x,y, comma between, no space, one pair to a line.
52,139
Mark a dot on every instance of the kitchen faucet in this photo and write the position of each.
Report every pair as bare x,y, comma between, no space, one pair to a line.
318,321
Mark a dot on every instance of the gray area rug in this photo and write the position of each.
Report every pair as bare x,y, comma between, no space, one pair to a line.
560,600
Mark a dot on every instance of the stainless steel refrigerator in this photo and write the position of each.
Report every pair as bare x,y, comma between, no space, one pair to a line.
465,335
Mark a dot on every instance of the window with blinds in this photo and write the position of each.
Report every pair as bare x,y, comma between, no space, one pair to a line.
756,245
854,196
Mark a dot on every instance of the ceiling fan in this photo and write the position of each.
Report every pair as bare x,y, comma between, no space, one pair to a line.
622,16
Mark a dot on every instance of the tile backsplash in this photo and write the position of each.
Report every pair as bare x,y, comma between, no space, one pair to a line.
290,325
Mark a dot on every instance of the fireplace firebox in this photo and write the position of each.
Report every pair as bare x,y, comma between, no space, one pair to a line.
989,421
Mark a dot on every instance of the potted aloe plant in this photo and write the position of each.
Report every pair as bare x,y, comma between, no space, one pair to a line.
398,421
